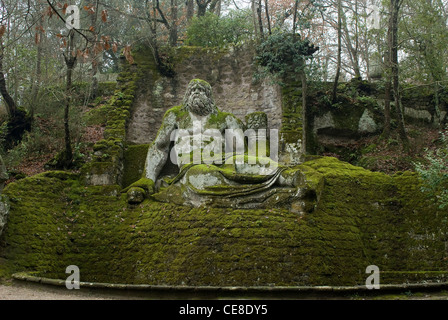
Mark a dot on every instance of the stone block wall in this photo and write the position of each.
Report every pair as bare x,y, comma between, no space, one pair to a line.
145,95
229,72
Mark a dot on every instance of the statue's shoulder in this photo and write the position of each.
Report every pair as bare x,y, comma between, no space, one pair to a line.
174,110
175,113
226,118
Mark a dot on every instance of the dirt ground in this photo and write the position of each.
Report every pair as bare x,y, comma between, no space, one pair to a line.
28,291
18,290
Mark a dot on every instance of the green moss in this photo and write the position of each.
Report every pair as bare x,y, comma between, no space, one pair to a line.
291,136
178,111
106,88
347,117
116,113
185,52
97,168
144,184
362,218
134,161
292,121
200,81
257,120
219,118
96,116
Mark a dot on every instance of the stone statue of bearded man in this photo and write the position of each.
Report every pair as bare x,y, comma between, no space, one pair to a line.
214,167
198,99
191,126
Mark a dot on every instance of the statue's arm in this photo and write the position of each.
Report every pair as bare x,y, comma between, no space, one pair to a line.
234,137
155,160
158,152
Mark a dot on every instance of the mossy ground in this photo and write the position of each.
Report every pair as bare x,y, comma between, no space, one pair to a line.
362,218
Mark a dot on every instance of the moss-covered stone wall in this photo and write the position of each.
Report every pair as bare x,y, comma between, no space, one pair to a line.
362,218
291,131
230,73
106,166
134,162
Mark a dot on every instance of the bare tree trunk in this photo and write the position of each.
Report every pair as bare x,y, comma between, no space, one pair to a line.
387,92
202,7
10,103
15,83
152,22
38,74
173,26
217,8
94,64
36,83
352,50
266,4
388,86
260,19
338,69
294,22
68,146
437,114
70,61
190,10
304,109
356,49
18,121
254,17
395,7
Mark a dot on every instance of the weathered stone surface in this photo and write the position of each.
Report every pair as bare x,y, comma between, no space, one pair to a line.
325,121
418,114
4,208
366,123
3,174
230,73
292,153
242,186
361,218
4,211
136,195
251,181
257,120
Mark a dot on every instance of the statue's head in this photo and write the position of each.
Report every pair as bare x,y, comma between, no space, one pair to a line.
198,98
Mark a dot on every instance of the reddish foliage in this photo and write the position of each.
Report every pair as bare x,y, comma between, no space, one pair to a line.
92,134
390,157
35,164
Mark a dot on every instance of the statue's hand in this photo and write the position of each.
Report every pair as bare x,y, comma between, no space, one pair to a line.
139,190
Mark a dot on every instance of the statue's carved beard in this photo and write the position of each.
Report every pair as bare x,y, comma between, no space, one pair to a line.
200,103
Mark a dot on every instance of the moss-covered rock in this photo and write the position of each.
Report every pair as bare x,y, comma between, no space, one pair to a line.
136,195
134,162
4,208
257,120
362,218
4,211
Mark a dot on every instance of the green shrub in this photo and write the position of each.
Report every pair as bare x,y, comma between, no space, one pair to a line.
213,31
282,53
435,172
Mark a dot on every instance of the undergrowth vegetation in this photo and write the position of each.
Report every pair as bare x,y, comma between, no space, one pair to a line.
39,147
434,171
